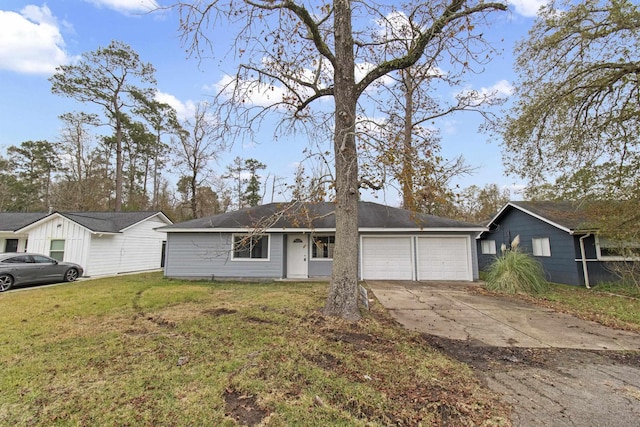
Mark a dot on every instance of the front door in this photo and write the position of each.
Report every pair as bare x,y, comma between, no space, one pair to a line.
297,253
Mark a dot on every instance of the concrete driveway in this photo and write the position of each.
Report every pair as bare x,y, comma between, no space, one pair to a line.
452,310
539,361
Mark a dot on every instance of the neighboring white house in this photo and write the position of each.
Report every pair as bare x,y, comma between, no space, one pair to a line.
102,242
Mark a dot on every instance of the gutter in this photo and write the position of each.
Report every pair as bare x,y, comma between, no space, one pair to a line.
585,270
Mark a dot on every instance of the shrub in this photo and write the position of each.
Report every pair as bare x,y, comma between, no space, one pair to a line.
516,272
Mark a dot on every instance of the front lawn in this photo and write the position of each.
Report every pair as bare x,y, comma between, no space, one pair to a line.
146,351
613,305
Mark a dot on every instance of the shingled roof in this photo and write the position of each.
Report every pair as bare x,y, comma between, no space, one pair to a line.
108,222
567,215
296,215
12,221
98,222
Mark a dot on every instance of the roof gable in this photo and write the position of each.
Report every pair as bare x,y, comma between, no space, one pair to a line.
567,216
315,216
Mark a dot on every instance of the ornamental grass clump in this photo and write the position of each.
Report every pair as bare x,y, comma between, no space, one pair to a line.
515,272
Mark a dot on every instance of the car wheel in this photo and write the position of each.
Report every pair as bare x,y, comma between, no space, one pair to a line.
71,275
6,282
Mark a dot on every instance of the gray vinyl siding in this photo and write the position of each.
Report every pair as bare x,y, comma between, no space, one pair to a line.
208,256
320,268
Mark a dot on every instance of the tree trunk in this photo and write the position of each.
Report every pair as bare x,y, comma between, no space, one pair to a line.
194,197
118,201
408,197
343,290
156,181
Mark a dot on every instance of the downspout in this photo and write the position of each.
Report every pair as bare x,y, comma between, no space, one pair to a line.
585,271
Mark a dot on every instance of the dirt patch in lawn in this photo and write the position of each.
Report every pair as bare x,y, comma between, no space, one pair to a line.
243,408
219,312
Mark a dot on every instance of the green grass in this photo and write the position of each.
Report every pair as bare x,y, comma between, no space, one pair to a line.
146,351
516,272
610,304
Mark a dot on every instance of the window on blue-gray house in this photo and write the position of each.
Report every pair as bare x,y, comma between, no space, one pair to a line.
541,246
323,247
611,250
488,247
246,246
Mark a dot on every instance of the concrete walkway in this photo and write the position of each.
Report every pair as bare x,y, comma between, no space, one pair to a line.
450,310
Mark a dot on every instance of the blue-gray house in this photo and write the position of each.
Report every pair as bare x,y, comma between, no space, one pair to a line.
557,234
296,241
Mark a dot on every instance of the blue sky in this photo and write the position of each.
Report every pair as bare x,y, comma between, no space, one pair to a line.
36,37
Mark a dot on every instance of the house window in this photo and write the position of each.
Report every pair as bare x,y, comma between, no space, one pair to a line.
488,247
541,246
11,245
323,247
617,251
246,246
56,250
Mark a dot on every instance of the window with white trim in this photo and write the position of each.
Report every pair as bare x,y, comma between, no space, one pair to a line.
488,247
246,246
609,250
541,246
323,247
56,250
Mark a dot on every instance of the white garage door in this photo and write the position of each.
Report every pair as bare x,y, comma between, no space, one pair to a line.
444,258
387,258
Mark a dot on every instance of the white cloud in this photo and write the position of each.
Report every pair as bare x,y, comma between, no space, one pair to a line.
528,8
396,28
252,93
363,68
255,93
486,95
502,88
184,110
127,6
30,41
450,127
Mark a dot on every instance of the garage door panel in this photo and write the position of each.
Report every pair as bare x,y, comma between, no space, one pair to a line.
444,258
387,258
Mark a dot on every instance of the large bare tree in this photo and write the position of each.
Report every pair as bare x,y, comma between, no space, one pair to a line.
295,53
403,142
200,143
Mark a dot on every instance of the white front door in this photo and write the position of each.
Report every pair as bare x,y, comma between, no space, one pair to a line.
297,254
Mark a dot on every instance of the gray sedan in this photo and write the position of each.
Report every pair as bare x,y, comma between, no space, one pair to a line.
26,269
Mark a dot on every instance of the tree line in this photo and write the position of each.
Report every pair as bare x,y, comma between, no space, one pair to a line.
73,174
128,167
